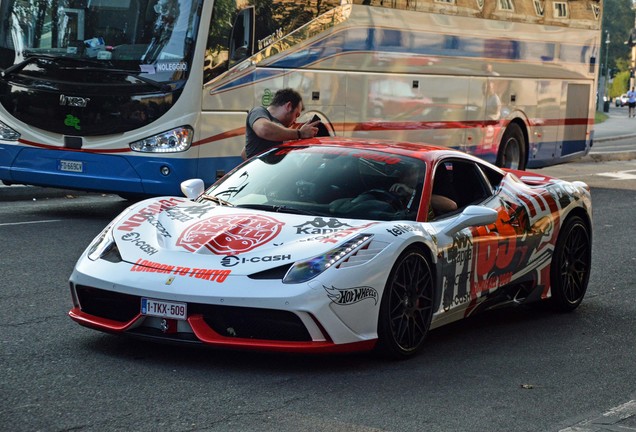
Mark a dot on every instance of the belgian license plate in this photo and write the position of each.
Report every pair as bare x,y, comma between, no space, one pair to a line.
164,309
71,166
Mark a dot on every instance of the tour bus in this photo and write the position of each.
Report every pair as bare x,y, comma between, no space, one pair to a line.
135,96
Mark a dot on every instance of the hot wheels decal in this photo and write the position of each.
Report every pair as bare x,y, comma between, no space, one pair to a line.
230,234
349,296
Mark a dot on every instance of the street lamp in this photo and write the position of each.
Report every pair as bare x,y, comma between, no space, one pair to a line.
607,42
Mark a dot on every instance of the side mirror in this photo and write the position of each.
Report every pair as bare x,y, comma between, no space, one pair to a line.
471,216
192,188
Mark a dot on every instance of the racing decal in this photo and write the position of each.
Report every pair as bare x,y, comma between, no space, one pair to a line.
517,247
457,271
232,260
195,211
400,229
321,225
177,215
230,234
146,266
142,215
349,296
161,230
134,238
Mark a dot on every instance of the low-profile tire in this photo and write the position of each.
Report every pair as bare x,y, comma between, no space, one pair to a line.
406,309
571,263
512,150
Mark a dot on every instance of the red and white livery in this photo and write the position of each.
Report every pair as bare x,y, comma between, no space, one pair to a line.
333,245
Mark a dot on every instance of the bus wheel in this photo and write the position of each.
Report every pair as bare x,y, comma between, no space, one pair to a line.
512,150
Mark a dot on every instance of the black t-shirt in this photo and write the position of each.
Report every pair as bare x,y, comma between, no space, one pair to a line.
253,143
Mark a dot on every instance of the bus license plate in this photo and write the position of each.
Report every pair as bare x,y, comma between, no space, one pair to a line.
71,166
164,309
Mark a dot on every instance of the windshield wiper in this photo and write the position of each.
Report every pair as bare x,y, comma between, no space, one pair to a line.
96,65
217,200
161,86
32,57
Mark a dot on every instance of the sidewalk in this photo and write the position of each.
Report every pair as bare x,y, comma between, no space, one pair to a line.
617,127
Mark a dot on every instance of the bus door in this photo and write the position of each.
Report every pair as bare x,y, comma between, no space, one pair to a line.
576,118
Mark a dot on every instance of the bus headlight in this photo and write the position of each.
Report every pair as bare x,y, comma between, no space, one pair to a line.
172,141
6,133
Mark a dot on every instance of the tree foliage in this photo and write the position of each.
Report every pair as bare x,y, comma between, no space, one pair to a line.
618,20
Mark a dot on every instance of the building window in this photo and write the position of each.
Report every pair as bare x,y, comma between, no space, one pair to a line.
506,5
539,8
560,10
596,10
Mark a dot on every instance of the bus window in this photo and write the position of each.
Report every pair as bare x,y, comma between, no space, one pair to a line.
242,41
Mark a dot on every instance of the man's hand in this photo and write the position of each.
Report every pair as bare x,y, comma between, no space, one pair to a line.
401,189
308,130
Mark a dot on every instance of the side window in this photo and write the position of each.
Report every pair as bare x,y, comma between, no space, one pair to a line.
494,177
242,40
457,184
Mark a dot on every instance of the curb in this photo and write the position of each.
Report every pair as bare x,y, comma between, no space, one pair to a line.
609,156
615,138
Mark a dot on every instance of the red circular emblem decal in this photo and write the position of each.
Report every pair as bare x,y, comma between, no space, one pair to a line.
231,234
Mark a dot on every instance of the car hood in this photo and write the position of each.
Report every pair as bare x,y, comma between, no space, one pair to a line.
176,232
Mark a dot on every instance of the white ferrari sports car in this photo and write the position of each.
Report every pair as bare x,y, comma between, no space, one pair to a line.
334,245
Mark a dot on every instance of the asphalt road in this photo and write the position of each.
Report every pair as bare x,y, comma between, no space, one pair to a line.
524,369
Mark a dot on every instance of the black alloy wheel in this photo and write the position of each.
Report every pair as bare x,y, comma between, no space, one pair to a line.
571,263
407,306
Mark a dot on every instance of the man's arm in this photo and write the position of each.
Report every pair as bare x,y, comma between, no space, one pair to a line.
271,131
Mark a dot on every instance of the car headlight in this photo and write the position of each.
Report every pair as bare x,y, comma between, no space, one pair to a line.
6,133
172,141
104,246
303,271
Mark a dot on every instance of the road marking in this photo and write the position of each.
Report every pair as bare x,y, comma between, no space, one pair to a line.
620,175
608,421
30,222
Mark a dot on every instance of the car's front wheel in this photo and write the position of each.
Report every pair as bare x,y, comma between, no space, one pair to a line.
407,306
571,262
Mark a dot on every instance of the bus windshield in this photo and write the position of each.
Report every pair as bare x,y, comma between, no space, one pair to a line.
153,37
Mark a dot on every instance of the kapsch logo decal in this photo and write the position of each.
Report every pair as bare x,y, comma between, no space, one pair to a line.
230,234
321,226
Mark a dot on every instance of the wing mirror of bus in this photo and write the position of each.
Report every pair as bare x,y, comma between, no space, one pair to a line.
192,188
471,216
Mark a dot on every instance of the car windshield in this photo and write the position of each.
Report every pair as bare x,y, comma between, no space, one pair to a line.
328,181
151,37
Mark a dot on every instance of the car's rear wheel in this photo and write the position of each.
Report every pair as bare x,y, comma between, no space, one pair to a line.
571,262
407,306
512,150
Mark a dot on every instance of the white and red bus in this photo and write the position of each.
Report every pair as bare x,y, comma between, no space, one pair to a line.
134,96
